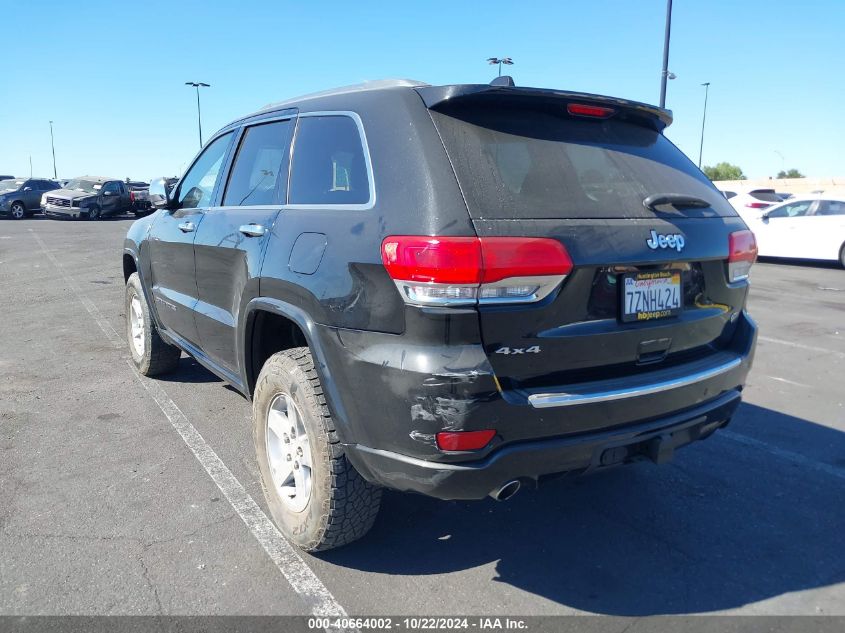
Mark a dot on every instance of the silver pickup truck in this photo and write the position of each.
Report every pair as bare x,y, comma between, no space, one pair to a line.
91,197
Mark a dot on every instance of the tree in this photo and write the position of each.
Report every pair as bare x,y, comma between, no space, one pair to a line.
724,171
792,173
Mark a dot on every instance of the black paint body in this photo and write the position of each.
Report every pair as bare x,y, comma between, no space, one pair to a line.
396,374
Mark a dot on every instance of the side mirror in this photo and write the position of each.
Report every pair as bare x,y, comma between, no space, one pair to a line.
108,193
27,188
161,192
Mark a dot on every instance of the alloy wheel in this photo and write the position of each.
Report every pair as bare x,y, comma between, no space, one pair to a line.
136,324
289,453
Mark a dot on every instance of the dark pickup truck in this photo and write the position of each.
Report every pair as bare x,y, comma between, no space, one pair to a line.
89,197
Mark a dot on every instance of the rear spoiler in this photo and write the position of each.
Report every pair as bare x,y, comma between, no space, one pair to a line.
440,97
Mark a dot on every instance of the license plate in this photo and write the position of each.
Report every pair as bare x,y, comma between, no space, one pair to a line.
651,295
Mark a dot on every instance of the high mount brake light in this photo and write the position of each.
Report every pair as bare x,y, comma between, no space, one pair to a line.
757,205
469,270
742,253
582,109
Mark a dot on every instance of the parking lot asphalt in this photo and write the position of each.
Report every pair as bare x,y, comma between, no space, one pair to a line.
108,506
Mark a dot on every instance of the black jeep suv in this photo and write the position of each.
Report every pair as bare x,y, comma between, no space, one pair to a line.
453,290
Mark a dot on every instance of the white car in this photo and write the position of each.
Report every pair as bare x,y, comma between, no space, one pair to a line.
749,202
802,227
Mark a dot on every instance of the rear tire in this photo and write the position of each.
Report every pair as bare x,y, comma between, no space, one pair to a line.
329,505
842,256
150,354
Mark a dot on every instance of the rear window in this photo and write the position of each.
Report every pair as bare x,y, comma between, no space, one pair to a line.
519,163
766,196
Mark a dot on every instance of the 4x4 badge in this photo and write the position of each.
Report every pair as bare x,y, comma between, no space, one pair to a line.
672,240
534,349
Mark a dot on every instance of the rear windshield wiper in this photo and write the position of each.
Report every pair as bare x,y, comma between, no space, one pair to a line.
676,200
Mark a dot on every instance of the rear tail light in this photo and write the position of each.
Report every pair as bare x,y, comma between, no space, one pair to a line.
469,270
758,205
131,196
582,109
464,440
742,252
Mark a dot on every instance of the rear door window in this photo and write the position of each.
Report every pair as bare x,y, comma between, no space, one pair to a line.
831,207
522,163
259,174
329,163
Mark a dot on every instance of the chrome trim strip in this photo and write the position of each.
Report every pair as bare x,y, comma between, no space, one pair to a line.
546,400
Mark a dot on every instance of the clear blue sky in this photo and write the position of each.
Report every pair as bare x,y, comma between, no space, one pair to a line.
111,74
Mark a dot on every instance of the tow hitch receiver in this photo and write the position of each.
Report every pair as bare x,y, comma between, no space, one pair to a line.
660,449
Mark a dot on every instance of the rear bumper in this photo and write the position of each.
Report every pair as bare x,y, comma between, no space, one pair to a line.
391,395
530,460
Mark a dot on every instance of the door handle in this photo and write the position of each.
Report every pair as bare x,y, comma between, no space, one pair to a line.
187,227
252,230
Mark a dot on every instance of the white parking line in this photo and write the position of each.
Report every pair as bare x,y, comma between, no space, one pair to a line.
790,382
809,348
301,578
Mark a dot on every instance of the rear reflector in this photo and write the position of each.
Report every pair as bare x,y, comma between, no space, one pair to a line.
464,440
467,270
758,205
742,253
582,109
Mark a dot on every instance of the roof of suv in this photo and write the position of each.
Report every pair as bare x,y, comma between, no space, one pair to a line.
437,96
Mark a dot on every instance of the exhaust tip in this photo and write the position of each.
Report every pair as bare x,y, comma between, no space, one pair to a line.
507,491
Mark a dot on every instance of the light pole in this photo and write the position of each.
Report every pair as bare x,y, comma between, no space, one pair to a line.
53,147
500,60
782,160
665,74
703,119
198,85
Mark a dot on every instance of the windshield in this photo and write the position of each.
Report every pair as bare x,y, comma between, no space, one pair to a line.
10,185
80,184
525,163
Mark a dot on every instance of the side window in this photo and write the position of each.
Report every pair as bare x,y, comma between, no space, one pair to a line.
328,162
831,207
111,187
260,167
198,184
792,210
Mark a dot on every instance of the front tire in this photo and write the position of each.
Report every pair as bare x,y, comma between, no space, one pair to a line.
150,354
94,213
315,496
17,211
842,256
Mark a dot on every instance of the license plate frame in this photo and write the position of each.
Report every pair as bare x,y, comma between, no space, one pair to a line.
664,305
